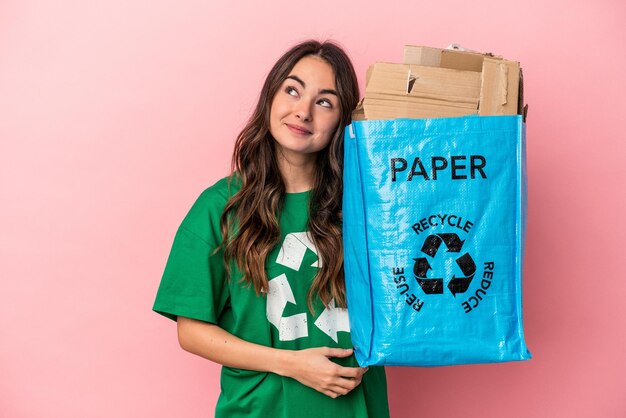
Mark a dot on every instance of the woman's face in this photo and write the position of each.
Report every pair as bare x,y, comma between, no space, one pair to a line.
305,110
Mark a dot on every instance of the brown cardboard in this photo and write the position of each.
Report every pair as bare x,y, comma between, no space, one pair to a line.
422,55
358,113
461,60
435,82
500,87
416,91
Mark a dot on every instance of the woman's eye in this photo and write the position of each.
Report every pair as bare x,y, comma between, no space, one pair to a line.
325,103
291,91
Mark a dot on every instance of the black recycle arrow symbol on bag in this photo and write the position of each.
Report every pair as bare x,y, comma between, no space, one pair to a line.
435,285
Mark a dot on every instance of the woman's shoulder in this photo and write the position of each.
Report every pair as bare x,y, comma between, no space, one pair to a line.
209,206
220,192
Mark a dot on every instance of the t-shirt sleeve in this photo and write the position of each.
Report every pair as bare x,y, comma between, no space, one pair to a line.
194,283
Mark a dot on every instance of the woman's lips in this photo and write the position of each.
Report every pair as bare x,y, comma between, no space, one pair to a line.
298,130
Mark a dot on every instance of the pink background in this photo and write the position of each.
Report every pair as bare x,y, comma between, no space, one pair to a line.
114,115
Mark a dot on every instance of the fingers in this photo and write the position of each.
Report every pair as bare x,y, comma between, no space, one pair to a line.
337,352
351,372
343,387
331,394
344,352
336,391
337,384
340,390
326,376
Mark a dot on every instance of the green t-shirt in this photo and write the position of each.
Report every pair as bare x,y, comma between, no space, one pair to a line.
195,285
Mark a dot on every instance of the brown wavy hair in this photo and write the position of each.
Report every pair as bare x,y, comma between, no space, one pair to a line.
249,222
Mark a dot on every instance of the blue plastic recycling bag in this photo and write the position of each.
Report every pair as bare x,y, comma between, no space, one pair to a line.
434,215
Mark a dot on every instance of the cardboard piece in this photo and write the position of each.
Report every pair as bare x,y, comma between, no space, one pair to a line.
435,82
423,55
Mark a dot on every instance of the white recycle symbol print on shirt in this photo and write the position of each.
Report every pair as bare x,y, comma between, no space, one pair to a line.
330,321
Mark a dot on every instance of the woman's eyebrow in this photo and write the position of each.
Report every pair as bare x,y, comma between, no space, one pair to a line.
298,79
322,91
328,91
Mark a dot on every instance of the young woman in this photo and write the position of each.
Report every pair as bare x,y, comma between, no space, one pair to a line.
255,275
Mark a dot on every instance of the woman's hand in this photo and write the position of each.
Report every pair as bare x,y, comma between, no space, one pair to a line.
312,368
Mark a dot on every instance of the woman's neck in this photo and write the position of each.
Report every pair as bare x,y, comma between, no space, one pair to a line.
298,173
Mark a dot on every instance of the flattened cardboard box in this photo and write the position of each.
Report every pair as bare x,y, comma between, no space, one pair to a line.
435,82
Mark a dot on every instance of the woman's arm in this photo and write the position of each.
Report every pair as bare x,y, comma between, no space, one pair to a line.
311,367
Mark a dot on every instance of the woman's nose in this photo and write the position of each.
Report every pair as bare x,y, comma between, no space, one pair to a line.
303,110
